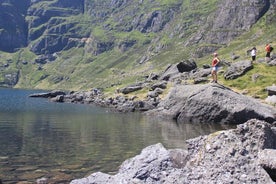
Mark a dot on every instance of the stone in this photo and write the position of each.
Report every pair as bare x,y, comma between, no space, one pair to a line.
212,103
51,94
131,89
267,159
237,69
271,90
271,100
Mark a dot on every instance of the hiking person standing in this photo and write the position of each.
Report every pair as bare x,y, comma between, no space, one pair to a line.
215,63
253,53
268,49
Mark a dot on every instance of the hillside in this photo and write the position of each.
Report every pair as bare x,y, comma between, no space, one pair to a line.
82,44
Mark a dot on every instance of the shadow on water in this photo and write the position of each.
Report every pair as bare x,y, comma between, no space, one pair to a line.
62,142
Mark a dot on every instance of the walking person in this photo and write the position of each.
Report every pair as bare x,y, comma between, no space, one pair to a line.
214,71
253,53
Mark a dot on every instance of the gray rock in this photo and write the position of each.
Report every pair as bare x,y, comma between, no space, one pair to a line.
200,80
272,62
174,71
152,94
255,77
234,56
271,100
271,90
231,156
51,94
151,166
170,71
59,98
131,89
186,66
212,103
238,69
162,85
267,159
152,76
11,78
200,73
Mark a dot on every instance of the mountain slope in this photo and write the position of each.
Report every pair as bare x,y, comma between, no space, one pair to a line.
81,44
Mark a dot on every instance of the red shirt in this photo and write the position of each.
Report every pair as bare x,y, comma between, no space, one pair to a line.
267,48
215,61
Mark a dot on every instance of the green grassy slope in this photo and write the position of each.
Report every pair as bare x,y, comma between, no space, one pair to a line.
80,69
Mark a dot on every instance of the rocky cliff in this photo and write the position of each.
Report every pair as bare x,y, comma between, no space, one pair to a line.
49,26
13,26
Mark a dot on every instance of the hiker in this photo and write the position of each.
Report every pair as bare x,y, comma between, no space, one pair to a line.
268,49
253,53
215,63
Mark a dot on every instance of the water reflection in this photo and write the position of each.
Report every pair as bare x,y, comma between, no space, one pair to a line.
62,142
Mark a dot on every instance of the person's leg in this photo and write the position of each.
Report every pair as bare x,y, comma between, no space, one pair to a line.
215,76
267,57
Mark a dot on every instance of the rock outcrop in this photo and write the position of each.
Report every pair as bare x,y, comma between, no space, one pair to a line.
237,69
211,103
51,94
229,21
233,156
271,99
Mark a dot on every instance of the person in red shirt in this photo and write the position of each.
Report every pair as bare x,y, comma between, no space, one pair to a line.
215,63
268,50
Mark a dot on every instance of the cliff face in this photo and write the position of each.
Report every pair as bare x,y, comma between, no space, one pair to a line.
51,26
230,20
13,27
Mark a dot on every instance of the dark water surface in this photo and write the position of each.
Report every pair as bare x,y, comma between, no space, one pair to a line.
61,142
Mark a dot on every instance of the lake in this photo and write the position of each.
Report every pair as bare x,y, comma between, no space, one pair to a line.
61,141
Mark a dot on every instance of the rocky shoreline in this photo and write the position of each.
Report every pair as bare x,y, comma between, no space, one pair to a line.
246,154
200,103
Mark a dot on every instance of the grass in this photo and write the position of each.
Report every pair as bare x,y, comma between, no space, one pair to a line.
255,88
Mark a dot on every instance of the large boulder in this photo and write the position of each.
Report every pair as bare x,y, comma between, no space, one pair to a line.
51,94
153,165
233,156
174,71
131,89
271,90
238,69
211,103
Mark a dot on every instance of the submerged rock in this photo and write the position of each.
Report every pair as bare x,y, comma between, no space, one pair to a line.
233,156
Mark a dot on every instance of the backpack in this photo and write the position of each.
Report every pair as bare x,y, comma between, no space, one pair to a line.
271,49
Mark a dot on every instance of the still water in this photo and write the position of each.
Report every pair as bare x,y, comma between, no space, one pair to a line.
61,142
